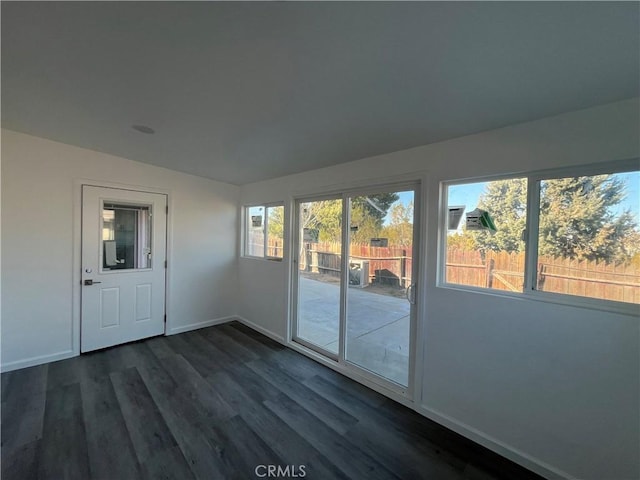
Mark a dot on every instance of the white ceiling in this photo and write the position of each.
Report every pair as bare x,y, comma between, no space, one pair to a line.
241,92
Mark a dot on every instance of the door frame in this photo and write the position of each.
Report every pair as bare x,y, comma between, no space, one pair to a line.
339,361
76,274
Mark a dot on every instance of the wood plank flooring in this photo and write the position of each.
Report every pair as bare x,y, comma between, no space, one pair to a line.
215,404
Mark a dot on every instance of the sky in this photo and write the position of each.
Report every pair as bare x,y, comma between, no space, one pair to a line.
469,194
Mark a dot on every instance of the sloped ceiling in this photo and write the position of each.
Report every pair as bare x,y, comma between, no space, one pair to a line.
244,91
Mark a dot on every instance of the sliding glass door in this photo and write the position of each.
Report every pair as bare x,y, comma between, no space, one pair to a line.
353,287
380,259
319,274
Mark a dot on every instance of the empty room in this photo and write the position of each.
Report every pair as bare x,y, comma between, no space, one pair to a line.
324,240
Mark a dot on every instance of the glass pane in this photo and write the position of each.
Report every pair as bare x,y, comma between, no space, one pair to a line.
380,266
485,226
126,237
255,232
320,271
589,236
275,233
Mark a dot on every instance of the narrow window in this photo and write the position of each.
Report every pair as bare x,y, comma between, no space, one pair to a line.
264,231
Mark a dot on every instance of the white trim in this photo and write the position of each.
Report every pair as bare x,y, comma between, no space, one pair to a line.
199,325
259,329
39,360
409,182
345,247
76,273
358,185
244,220
487,441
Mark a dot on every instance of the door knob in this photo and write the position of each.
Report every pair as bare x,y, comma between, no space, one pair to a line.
90,282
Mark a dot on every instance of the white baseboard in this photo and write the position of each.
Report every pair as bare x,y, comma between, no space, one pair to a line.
262,330
507,451
39,360
196,326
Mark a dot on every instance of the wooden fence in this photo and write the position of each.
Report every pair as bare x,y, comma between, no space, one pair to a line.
498,270
505,271
387,265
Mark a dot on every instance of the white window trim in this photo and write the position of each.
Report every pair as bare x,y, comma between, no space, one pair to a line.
531,237
245,236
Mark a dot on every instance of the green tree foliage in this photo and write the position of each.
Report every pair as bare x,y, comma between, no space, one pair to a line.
375,206
462,241
363,226
399,231
324,216
367,214
506,202
577,218
276,222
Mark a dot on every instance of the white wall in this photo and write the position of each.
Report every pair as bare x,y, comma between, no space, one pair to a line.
40,244
554,387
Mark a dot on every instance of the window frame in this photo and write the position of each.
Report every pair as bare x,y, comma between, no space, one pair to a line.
245,228
532,227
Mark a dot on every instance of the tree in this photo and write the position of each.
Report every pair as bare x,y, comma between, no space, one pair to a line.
462,241
506,202
399,231
375,206
276,222
367,214
324,216
577,218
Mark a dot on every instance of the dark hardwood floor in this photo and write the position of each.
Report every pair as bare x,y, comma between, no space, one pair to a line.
219,403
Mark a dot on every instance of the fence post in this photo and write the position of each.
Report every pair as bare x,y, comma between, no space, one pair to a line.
403,269
315,261
490,266
541,277
307,257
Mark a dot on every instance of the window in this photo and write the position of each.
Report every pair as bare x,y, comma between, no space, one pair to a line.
126,237
476,255
589,236
264,228
570,232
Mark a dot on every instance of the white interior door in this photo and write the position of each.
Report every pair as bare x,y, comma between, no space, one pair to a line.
123,266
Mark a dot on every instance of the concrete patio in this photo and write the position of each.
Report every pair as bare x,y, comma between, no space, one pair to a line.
377,326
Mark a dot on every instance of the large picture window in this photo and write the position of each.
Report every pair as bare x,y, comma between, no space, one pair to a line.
264,235
570,232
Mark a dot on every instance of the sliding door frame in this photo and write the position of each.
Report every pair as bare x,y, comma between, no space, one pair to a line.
340,360
295,283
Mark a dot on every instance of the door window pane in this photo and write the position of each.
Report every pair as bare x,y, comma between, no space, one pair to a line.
319,273
380,268
126,237
589,236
